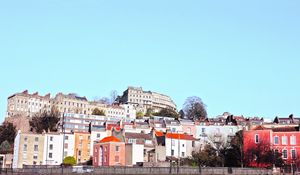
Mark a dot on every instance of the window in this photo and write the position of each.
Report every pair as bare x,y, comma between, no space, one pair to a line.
117,148
172,152
66,137
50,155
203,130
276,140
51,147
36,139
65,153
98,135
51,138
285,154
230,130
79,153
173,142
256,138
193,143
35,157
293,140
89,137
66,146
105,159
81,137
25,139
25,147
284,140
182,145
189,130
117,159
182,154
294,154
36,147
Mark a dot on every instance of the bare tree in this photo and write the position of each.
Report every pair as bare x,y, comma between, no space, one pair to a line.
194,108
103,100
113,96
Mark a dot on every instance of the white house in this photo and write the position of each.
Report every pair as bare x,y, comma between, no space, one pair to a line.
216,132
69,144
53,146
180,145
134,153
130,112
96,136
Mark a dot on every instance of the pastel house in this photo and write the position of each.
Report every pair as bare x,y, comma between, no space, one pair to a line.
110,151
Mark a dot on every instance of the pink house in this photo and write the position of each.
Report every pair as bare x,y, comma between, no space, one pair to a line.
188,127
110,151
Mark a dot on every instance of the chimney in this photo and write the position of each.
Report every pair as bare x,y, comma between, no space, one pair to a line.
47,95
36,93
25,92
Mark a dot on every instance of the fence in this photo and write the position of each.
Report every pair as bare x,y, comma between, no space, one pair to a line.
139,171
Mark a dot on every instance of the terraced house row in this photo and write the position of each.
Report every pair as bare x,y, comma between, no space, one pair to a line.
149,140
133,99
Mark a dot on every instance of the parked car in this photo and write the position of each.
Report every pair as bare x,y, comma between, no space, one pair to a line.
82,169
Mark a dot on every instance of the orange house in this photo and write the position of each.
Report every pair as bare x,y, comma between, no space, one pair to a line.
82,147
110,151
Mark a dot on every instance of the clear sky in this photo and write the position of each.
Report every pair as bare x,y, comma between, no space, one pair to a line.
238,56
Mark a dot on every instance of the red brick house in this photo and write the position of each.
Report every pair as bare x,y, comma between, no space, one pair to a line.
261,142
110,151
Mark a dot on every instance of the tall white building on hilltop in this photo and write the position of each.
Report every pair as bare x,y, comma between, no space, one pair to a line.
143,100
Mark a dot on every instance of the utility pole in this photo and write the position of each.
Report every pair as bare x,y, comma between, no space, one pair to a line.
178,161
63,150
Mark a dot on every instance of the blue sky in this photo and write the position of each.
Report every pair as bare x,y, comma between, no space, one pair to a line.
238,56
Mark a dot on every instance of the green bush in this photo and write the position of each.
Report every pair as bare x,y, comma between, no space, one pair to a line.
70,161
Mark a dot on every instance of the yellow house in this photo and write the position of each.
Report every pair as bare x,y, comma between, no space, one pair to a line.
28,149
82,147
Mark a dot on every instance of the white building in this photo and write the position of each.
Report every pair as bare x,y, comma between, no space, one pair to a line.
81,122
69,144
180,145
143,100
217,133
115,111
96,136
26,104
53,147
134,154
130,112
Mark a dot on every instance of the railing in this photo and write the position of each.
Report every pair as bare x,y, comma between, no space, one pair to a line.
140,171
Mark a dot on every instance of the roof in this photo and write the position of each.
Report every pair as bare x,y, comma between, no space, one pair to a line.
279,129
180,136
138,136
110,139
285,129
260,128
159,133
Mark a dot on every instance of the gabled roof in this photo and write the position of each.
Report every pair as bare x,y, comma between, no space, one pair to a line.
110,139
260,128
159,133
179,136
285,129
138,136
278,129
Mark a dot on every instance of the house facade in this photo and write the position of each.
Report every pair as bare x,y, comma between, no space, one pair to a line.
285,140
110,151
